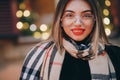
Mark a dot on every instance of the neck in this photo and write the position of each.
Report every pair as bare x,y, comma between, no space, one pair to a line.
85,41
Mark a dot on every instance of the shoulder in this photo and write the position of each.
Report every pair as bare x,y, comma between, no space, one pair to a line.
37,52
113,51
113,48
41,47
34,60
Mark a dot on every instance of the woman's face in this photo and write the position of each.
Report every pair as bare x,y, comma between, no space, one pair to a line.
77,19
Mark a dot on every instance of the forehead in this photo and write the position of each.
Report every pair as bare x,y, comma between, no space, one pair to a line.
78,5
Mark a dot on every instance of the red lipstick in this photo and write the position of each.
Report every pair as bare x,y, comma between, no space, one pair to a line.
78,31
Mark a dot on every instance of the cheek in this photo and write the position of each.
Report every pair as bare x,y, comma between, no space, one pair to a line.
66,29
88,28
66,23
66,26
88,25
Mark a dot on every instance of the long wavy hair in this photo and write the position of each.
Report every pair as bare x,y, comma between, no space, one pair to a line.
97,34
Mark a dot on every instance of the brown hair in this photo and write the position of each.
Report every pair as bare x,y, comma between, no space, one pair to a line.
98,34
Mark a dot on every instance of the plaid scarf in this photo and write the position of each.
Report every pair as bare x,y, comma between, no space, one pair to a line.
44,62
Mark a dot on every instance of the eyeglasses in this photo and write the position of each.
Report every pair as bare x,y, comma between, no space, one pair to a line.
84,17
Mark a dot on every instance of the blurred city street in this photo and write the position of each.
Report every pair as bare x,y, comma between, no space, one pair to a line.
11,63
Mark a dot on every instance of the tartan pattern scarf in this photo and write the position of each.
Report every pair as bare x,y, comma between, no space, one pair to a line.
44,62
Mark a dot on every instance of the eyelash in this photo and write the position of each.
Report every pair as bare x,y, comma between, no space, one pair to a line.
68,15
84,15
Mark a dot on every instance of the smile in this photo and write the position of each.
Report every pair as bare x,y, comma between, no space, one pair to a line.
78,31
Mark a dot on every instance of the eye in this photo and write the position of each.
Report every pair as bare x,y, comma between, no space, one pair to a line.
68,15
87,15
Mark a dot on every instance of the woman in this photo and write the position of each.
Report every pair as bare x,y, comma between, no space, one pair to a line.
78,48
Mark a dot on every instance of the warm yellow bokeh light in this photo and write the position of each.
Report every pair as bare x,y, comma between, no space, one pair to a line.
45,35
108,3
22,6
26,13
107,31
43,27
106,12
37,35
19,13
106,21
25,25
19,25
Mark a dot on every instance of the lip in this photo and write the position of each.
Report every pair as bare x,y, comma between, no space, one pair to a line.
78,31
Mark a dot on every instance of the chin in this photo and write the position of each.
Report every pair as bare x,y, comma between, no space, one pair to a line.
78,39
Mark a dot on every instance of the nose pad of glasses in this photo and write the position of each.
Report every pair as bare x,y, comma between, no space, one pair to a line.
77,20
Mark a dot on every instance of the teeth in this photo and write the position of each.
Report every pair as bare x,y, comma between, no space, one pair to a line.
77,30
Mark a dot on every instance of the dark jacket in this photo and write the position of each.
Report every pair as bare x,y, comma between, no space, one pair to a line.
114,54
72,70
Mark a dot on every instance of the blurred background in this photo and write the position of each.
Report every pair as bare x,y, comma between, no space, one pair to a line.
24,23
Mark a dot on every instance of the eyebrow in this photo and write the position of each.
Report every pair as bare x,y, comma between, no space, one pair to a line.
82,11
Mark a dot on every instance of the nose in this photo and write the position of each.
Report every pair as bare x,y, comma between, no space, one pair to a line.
77,20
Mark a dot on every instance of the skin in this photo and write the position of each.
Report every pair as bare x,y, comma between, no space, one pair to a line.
77,29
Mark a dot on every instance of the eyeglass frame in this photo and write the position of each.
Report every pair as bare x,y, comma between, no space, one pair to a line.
83,17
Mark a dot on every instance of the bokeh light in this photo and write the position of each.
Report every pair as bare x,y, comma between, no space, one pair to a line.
43,27
107,31
33,27
106,12
25,25
37,35
45,35
19,25
26,13
106,21
19,13
108,3
22,6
